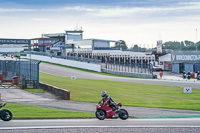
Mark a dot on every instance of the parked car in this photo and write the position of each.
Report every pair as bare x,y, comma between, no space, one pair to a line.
157,68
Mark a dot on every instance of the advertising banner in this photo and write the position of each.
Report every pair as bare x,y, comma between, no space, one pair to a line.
159,47
14,41
185,56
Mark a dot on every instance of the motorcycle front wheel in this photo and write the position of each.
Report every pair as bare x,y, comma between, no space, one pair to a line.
6,115
123,114
100,114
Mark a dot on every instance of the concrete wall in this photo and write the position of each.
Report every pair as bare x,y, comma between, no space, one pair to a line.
78,64
175,68
62,93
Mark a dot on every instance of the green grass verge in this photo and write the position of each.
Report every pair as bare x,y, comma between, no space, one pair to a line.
34,90
21,111
131,94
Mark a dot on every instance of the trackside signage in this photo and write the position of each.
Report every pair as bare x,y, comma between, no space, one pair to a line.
73,77
185,57
187,90
14,41
192,57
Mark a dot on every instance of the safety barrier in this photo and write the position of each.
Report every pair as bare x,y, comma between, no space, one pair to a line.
62,93
141,75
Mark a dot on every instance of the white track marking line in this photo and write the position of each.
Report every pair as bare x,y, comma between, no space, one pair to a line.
52,127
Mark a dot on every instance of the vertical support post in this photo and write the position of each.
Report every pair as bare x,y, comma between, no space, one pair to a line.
130,64
125,62
141,64
135,64
30,57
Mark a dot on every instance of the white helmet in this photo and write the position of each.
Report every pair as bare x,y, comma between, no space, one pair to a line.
103,93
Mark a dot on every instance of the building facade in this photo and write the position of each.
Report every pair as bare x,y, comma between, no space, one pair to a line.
188,61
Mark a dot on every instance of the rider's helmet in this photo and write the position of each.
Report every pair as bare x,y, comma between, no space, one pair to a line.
103,93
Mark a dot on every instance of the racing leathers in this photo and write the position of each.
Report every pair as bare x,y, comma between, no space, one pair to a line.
110,101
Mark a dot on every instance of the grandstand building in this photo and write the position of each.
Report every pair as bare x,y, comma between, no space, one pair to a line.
71,43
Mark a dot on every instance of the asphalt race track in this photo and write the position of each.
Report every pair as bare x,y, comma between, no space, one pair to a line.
108,125
176,125
67,72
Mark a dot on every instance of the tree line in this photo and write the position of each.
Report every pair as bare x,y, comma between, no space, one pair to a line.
174,45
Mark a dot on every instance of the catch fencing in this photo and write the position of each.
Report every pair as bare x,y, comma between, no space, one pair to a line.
26,71
128,69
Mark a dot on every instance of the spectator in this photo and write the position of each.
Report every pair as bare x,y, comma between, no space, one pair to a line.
184,75
161,73
189,75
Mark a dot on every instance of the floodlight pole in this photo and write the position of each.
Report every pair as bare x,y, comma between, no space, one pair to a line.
30,57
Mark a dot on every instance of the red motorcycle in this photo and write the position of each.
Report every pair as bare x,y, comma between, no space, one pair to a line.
105,111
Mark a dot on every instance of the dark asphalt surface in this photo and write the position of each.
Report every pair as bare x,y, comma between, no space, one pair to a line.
108,125
67,72
109,130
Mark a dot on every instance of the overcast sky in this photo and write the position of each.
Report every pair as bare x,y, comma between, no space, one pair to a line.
140,22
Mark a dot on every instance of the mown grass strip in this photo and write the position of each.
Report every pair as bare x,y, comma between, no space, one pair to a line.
131,94
21,111
34,90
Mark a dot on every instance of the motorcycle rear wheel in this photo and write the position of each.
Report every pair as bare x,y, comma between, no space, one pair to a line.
123,114
6,115
100,114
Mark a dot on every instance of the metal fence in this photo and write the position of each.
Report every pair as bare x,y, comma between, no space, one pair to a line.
26,71
128,69
76,58
141,75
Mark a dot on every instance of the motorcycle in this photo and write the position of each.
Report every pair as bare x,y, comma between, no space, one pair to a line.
5,114
105,111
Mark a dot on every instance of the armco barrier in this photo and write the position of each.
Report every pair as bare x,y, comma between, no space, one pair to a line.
62,93
141,75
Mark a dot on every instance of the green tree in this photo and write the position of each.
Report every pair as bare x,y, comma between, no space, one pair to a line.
135,48
173,45
122,45
189,45
198,45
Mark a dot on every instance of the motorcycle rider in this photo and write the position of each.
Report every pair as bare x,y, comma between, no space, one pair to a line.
184,75
111,102
189,75
198,75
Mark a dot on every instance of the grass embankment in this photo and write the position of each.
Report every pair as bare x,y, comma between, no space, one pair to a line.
132,94
21,111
